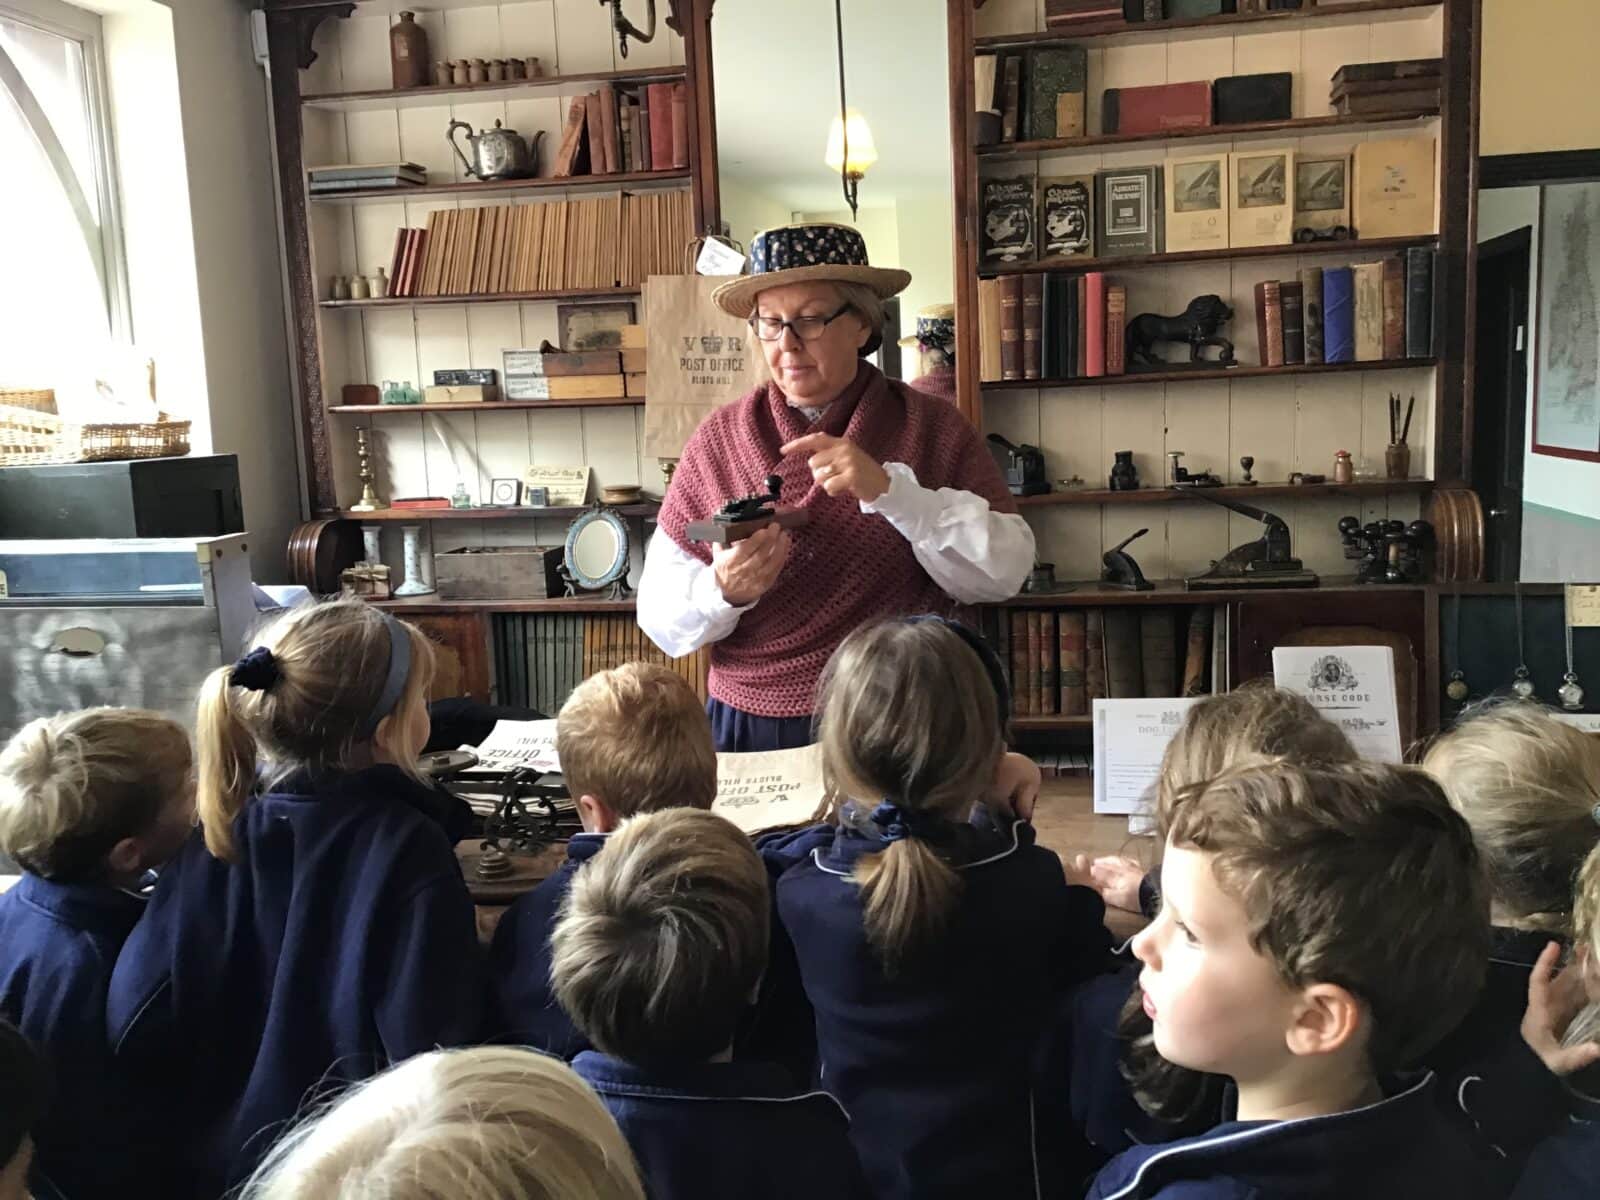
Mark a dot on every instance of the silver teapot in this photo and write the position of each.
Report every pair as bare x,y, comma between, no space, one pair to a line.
496,153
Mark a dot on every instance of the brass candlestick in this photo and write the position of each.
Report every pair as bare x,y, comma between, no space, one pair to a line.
369,501
668,466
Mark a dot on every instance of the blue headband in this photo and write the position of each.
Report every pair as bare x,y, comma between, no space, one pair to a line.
395,685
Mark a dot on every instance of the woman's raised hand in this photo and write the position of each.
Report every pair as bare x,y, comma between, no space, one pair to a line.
840,466
746,570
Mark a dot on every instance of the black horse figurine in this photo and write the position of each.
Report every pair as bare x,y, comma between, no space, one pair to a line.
1198,326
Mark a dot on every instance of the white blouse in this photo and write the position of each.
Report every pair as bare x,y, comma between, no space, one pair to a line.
975,554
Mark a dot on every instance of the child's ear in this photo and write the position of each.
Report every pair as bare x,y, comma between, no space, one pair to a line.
126,858
1326,1018
597,816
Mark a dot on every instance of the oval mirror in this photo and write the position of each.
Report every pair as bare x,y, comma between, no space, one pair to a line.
597,550
78,642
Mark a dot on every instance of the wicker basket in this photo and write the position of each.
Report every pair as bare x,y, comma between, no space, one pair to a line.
29,437
39,399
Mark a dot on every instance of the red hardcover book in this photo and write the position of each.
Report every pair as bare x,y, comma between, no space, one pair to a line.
1073,694
1116,329
1156,108
1036,663
1019,662
1394,307
1011,327
398,259
1095,339
660,95
1032,325
404,280
571,148
680,126
420,502
418,255
609,129
1269,322
594,117
1080,367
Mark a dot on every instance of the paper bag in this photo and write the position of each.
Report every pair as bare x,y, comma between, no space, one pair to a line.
698,358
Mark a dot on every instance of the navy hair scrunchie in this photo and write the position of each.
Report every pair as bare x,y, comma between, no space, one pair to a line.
256,671
895,824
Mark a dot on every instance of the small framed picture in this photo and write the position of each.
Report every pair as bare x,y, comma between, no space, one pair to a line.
536,497
592,326
505,493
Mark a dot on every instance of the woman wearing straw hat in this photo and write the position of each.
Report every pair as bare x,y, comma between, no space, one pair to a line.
908,511
935,344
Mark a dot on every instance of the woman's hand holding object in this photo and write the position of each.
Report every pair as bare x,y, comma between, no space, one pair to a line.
746,570
840,466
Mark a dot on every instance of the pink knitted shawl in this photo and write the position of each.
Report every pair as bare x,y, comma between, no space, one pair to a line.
845,567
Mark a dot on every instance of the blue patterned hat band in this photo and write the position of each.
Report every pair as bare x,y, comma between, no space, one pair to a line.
792,246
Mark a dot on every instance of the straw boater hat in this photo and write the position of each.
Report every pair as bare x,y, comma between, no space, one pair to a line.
936,329
801,253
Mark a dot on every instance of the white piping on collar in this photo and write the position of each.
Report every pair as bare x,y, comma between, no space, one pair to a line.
1016,841
1033,1148
1245,1135
627,1091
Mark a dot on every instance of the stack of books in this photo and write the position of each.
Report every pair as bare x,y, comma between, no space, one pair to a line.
1051,326
616,130
1039,93
1369,312
1372,89
349,177
1066,14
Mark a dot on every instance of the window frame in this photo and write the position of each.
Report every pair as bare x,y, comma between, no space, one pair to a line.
86,28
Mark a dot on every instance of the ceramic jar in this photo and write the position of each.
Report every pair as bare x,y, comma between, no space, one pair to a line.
338,288
497,70
516,69
477,70
441,74
408,52
378,285
1343,469
358,288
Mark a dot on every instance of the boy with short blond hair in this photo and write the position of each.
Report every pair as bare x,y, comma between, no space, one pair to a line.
631,740
659,950
1321,929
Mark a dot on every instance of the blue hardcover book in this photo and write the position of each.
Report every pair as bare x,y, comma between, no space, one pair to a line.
1338,315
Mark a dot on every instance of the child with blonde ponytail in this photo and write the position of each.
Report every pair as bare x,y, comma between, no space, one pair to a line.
319,929
934,938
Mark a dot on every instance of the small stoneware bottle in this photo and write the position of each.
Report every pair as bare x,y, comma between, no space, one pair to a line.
408,52
339,288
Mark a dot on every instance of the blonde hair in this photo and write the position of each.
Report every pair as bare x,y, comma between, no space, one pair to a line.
332,660
662,938
1528,784
908,716
490,1123
1251,723
1328,863
639,739
74,785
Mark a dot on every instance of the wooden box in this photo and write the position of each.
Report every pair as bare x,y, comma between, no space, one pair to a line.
499,573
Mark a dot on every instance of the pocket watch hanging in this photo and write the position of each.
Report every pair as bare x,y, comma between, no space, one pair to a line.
1569,693
1521,678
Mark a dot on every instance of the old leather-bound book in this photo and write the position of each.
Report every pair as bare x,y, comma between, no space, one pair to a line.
1198,654
1124,654
1071,635
1158,644
1294,329
1011,327
1311,311
1269,322
1394,307
1369,311
1032,325
1094,654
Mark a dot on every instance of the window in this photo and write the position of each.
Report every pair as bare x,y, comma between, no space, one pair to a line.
63,288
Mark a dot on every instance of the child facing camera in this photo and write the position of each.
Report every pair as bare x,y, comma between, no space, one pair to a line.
658,953
631,740
934,938
1321,929
89,801
320,929
492,1123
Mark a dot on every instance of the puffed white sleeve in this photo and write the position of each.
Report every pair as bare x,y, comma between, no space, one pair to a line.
977,555
680,605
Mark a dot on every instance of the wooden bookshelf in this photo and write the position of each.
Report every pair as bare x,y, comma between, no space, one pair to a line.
1235,491
597,603
1120,262
506,89
1223,22
1052,722
415,516
1293,127
490,405
502,187
1200,374
1093,594
483,298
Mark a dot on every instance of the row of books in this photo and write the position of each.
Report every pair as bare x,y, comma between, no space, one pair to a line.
1039,93
1363,313
541,657
1060,660
616,129
1067,14
1051,326
1370,89
600,242
1215,201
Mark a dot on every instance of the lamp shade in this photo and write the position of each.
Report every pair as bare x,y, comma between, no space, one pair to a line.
863,153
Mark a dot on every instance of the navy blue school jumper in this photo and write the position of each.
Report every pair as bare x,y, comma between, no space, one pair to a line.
938,1064
727,1131
58,945
1567,1164
1404,1147
342,940
525,1009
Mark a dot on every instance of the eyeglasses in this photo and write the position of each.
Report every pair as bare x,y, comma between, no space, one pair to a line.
807,329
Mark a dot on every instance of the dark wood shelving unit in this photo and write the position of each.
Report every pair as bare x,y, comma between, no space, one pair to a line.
1223,21
556,604
482,298
491,405
500,187
415,516
1204,373
1119,262
1050,722
1236,491
1091,594
1294,127
510,89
